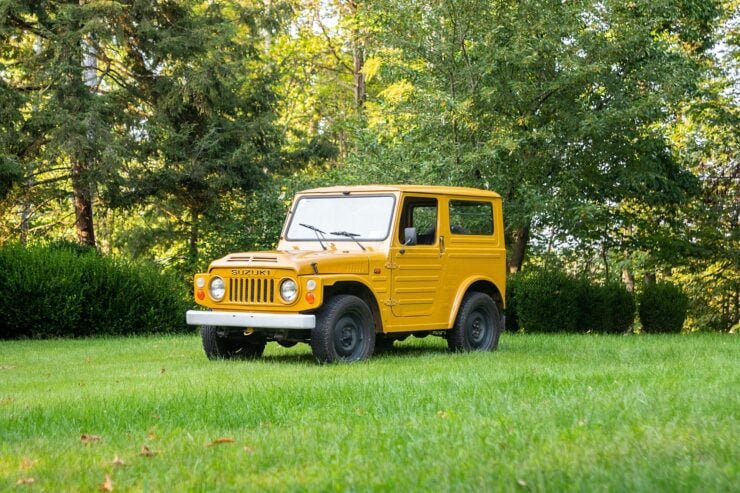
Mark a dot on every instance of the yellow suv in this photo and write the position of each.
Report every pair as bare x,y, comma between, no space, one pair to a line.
357,268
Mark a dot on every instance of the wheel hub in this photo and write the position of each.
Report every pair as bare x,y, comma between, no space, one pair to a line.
347,336
478,328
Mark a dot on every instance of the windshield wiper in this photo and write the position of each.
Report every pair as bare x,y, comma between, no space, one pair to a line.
319,234
347,234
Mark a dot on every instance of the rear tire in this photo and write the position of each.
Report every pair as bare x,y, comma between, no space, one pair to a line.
345,331
217,345
478,325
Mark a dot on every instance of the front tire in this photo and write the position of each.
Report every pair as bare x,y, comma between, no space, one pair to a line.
345,331
478,325
217,345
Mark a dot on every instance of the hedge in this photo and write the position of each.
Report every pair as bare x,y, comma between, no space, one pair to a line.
663,308
62,290
608,308
552,301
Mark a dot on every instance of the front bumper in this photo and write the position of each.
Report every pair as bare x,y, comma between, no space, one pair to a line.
251,320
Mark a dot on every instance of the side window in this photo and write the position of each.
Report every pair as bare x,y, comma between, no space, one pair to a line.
420,213
468,217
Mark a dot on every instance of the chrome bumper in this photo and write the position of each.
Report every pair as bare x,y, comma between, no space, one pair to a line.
251,319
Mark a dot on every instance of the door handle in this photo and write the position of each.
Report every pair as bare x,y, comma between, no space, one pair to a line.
441,244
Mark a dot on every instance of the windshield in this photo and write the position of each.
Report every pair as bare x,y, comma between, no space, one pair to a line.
342,218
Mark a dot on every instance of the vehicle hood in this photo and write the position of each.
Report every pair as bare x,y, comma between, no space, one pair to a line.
303,262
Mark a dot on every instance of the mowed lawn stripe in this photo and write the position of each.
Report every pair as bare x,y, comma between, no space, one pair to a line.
544,413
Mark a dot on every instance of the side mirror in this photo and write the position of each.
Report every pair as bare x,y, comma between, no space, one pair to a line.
409,236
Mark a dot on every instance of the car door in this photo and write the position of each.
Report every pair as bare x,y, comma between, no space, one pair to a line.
417,270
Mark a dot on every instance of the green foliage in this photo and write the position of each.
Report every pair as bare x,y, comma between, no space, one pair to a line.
66,290
253,224
713,292
512,309
547,301
10,174
663,308
550,300
605,309
607,126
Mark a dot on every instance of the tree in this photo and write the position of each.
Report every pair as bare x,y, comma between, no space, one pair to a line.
209,127
69,71
560,106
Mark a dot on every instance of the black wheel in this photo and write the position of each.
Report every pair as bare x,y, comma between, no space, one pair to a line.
478,325
344,331
218,345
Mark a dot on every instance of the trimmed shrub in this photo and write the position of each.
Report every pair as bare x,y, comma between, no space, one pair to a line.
663,308
64,290
547,301
605,309
552,301
512,285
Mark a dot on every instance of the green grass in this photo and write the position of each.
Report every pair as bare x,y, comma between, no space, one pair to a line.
544,413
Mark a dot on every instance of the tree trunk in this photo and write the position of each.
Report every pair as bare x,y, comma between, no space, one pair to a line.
358,56
519,242
605,259
82,195
193,242
27,209
25,216
629,280
81,163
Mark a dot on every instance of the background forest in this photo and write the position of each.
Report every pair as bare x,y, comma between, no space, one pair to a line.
176,131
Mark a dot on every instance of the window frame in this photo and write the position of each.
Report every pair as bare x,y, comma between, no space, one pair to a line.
342,196
451,203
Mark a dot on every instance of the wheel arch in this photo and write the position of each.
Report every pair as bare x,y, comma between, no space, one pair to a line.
362,291
477,284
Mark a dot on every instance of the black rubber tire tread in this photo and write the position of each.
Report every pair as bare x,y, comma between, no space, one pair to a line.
219,347
213,344
475,304
335,310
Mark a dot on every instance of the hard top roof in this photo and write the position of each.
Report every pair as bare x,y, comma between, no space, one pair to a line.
430,189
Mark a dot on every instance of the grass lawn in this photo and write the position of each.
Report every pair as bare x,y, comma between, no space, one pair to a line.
544,413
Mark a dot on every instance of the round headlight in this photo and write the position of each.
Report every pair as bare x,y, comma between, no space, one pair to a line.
217,288
288,290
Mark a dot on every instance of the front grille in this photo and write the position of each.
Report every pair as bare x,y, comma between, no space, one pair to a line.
246,290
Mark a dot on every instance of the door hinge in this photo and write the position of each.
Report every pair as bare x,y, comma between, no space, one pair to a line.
390,302
391,265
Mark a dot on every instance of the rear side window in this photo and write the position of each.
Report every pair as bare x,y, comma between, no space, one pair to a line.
468,217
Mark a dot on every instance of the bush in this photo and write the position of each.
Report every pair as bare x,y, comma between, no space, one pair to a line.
663,308
546,301
552,301
64,290
606,308
512,318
